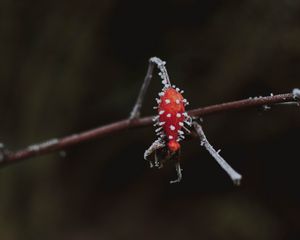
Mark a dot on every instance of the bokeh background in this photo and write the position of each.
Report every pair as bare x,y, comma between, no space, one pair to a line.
69,66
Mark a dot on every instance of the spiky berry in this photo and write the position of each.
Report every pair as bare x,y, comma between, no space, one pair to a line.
171,110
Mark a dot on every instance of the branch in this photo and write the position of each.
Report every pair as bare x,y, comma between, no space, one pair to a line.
7,157
235,177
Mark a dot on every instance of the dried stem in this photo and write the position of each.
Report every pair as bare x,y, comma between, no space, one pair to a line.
8,157
136,111
235,177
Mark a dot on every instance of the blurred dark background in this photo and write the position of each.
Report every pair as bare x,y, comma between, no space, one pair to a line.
68,66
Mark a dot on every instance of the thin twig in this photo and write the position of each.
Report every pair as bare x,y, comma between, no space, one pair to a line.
135,113
163,71
49,146
235,177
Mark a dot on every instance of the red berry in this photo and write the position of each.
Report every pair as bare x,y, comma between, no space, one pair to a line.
171,116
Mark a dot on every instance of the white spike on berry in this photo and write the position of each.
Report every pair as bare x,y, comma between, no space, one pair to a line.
158,129
180,132
172,127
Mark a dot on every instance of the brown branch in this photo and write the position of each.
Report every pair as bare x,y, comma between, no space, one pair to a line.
7,157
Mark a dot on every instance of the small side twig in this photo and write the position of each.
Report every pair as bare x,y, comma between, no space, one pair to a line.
235,177
136,111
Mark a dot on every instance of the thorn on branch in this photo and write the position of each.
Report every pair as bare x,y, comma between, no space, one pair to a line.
266,107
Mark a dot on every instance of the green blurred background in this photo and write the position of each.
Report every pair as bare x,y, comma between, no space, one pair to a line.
68,66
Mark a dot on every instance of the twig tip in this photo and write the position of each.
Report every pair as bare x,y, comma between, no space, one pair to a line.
2,152
296,93
237,182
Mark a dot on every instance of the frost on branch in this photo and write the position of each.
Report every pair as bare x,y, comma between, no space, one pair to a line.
296,93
